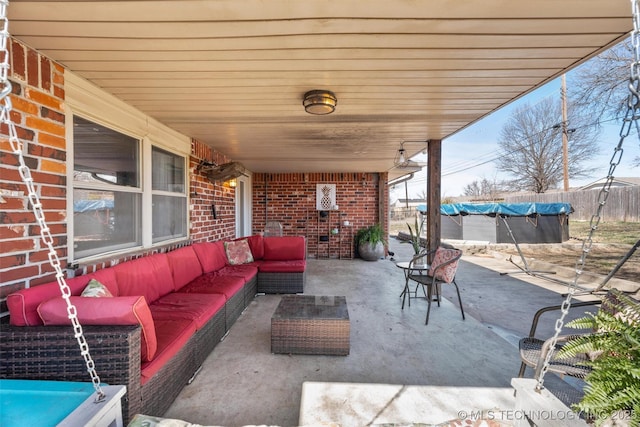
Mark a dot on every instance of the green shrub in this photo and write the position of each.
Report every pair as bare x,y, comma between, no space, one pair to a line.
372,234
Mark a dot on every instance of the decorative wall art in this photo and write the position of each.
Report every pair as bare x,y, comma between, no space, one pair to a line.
326,197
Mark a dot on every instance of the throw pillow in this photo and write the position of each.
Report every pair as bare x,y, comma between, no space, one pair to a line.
131,310
96,289
238,252
448,272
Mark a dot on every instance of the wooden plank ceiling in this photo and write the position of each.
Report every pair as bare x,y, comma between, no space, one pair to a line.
232,73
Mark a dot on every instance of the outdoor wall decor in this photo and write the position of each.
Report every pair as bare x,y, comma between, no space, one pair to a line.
326,197
224,172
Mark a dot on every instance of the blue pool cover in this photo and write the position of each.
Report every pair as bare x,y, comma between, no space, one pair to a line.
507,209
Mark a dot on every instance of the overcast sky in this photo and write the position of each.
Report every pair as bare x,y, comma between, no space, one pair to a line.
467,156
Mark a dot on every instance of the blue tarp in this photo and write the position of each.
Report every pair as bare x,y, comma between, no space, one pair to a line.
507,209
91,205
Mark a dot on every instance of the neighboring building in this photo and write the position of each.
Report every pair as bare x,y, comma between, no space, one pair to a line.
403,208
617,182
406,203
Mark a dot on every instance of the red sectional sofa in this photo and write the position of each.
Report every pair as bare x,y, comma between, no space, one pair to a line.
157,320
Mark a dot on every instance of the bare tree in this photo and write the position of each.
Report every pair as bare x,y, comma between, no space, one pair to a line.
473,190
531,146
600,87
482,189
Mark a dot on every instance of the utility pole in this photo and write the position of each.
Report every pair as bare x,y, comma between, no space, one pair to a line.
406,196
565,136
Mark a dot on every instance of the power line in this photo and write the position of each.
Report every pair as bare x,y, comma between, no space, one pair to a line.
498,154
495,154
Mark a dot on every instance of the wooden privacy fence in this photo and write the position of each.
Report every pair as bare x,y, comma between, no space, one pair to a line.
402,213
623,203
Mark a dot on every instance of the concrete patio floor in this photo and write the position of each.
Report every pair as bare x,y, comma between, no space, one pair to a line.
243,383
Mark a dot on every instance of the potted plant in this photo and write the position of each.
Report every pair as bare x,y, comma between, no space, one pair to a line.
613,386
414,238
370,242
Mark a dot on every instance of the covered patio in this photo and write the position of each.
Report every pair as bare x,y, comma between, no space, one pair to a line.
396,78
462,364
194,86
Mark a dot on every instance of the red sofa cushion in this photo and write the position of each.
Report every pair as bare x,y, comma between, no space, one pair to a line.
296,266
284,248
256,245
211,255
107,277
246,271
105,311
185,266
215,284
172,335
197,307
149,276
23,305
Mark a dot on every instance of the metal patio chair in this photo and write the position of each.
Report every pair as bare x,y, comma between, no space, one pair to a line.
442,270
533,350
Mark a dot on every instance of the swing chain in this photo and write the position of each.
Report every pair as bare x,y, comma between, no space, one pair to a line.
34,200
632,115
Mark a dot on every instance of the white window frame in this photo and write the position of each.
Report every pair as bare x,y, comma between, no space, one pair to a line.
92,103
98,186
175,194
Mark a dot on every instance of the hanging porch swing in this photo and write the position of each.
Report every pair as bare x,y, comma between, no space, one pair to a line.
547,356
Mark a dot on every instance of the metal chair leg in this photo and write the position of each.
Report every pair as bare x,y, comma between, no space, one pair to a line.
459,299
404,293
429,296
523,367
423,291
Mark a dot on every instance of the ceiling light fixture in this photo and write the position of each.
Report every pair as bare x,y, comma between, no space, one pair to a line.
400,159
320,102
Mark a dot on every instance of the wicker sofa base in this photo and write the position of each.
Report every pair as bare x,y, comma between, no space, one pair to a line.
208,337
250,290
234,308
52,353
281,283
159,392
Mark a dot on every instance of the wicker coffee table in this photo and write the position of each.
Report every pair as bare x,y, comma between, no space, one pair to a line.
308,324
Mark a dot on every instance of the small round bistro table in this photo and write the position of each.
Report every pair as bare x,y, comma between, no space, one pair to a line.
408,269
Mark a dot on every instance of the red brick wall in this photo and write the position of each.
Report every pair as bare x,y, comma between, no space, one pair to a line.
37,98
290,198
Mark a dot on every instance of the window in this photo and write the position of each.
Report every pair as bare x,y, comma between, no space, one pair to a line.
106,189
169,218
110,180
